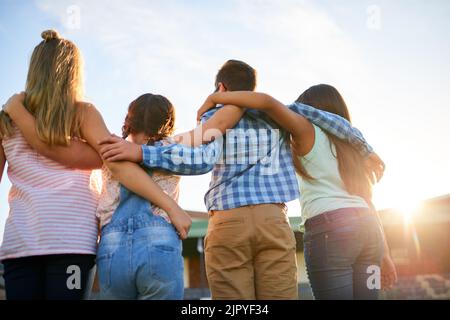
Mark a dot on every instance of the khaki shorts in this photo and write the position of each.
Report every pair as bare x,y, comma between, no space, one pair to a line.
250,254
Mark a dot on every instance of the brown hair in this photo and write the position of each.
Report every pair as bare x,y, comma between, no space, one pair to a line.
54,86
236,75
351,163
151,114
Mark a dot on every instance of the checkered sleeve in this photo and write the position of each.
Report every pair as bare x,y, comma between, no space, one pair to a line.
208,114
181,159
334,125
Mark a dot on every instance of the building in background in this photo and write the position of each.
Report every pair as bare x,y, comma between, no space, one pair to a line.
419,242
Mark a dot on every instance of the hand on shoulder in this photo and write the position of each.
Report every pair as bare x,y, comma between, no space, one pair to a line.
14,103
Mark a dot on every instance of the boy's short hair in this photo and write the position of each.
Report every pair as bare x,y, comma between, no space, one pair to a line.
237,75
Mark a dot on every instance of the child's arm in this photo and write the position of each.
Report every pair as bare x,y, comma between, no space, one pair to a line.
331,123
300,128
224,119
2,161
130,174
78,154
189,156
176,158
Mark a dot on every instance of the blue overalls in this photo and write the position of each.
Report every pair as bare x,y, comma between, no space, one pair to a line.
139,254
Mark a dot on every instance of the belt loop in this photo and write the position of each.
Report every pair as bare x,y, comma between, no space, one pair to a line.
130,225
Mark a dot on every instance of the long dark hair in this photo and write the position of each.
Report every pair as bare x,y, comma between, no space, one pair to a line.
151,114
351,163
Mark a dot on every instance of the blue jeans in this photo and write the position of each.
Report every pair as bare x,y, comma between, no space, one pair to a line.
342,248
140,257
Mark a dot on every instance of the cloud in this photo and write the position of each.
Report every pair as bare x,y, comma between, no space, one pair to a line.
180,44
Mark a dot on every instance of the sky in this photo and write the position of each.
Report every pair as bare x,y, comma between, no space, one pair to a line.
389,60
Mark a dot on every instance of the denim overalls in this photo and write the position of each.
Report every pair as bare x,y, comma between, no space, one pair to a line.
139,254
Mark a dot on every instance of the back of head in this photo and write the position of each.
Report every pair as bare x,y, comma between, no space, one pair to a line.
53,88
326,98
151,114
237,75
351,163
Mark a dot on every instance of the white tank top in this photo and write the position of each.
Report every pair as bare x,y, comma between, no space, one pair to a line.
326,192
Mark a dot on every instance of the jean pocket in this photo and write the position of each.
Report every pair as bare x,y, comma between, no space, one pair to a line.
342,247
166,262
104,270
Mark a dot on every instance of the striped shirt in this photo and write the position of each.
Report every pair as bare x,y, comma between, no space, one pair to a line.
253,163
52,208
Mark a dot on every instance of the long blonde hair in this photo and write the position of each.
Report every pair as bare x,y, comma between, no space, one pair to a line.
54,86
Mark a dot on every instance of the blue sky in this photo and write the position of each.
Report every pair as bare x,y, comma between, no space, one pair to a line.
389,59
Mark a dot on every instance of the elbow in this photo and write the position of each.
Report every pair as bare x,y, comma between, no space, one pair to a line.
222,126
268,101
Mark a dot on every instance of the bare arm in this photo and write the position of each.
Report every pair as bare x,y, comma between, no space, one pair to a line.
224,119
2,161
300,128
78,154
130,174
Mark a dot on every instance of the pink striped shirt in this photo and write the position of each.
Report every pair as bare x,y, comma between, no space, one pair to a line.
52,208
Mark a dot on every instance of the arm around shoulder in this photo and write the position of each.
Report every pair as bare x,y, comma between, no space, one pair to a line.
129,174
223,119
77,155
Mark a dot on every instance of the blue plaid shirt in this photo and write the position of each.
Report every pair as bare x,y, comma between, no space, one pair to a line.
252,163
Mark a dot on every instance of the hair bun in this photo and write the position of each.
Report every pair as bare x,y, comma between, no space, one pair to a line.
48,35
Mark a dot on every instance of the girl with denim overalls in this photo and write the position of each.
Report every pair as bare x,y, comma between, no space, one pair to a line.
140,251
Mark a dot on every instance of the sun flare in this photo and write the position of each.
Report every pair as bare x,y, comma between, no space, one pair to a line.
408,209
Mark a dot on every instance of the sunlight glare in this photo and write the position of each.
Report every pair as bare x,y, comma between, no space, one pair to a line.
408,209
